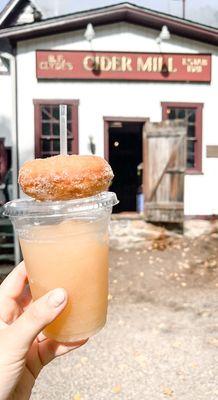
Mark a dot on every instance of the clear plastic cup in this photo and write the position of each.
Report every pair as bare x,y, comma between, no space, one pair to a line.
65,244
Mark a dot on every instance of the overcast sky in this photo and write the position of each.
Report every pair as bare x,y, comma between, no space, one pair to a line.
204,11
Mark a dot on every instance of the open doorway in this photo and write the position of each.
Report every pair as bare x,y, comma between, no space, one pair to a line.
125,155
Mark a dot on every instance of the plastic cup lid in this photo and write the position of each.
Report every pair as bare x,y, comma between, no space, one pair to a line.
33,208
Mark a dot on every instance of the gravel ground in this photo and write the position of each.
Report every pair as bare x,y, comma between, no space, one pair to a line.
161,338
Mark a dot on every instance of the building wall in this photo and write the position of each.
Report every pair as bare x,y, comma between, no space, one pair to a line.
130,99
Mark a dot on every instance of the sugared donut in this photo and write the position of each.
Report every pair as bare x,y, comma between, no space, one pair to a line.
65,177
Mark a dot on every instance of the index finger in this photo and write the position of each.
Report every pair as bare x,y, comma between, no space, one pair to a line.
15,282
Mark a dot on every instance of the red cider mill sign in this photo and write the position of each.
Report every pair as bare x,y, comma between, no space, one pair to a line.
100,65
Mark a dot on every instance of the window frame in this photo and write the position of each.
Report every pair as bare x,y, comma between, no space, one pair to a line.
199,123
37,121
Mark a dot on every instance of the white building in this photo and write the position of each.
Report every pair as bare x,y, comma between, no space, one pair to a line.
112,87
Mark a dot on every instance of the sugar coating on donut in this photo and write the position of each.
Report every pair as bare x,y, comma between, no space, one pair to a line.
65,177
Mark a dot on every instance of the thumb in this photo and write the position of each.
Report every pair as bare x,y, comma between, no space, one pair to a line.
41,313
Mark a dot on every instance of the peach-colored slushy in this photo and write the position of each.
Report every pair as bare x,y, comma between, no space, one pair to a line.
65,244
72,255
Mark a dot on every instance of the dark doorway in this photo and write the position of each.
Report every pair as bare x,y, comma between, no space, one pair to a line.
125,156
5,172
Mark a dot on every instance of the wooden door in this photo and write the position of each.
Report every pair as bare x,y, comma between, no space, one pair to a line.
164,168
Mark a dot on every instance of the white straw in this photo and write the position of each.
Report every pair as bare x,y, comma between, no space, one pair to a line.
63,129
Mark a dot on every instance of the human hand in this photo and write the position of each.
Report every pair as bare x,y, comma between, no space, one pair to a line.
23,349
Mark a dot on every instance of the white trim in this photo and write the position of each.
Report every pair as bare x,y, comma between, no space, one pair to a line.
7,10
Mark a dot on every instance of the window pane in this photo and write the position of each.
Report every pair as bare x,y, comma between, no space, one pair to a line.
55,112
45,155
46,112
46,129
56,129
56,145
191,115
191,161
191,146
191,131
69,145
48,140
45,145
188,114
190,153
69,129
171,113
181,113
69,113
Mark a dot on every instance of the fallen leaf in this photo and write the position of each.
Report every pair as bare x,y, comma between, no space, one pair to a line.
141,274
212,264
194,365
110,297
213,341
77,397
176,345
167,391
84,360
116,389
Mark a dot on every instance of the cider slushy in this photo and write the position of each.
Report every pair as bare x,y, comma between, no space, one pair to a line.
65,244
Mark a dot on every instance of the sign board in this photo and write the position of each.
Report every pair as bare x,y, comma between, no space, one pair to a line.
212,151
92,65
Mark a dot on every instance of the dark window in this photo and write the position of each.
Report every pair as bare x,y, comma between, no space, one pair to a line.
47,127
191,113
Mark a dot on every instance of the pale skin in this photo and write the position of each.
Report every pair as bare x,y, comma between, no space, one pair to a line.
24,350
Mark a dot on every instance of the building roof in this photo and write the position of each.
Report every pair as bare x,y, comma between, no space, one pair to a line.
123,12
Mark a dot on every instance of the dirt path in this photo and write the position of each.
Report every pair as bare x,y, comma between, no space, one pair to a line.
161,339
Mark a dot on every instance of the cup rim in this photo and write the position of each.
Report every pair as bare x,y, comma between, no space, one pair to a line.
28,207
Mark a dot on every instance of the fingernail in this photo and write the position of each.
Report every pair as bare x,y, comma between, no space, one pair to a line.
57,297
